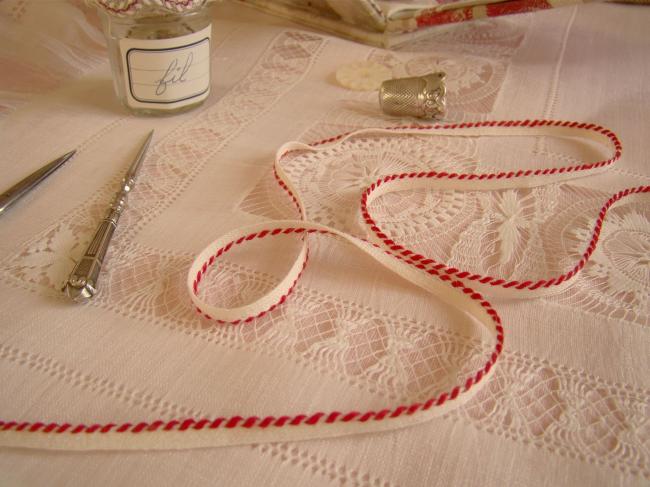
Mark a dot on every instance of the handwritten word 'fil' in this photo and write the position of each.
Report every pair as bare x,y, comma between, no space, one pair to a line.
175,73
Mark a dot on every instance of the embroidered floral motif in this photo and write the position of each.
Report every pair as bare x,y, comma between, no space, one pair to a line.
616,281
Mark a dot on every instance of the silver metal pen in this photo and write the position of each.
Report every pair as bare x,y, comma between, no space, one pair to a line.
82,282
20,189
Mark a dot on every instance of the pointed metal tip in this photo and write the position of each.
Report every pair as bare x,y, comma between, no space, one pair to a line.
68,155
59,161
146,143
135,166
24,186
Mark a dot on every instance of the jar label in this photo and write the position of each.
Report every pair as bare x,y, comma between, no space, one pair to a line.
165,74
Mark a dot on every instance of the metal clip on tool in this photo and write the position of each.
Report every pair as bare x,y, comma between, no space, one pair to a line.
82,282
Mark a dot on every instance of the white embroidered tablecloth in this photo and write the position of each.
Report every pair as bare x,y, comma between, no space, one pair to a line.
569,401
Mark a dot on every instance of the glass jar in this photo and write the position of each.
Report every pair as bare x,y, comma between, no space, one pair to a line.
160,59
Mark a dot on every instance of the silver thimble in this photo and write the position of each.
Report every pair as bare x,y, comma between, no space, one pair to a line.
420,96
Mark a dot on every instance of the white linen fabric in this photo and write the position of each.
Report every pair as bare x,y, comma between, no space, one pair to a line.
566,404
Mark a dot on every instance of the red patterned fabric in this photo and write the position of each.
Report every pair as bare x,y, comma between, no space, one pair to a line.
508,7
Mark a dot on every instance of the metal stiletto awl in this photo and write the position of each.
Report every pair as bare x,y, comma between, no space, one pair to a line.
82,282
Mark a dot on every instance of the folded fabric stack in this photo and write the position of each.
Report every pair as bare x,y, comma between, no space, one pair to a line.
388,23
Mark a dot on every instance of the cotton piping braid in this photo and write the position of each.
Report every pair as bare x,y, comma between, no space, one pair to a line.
446,283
